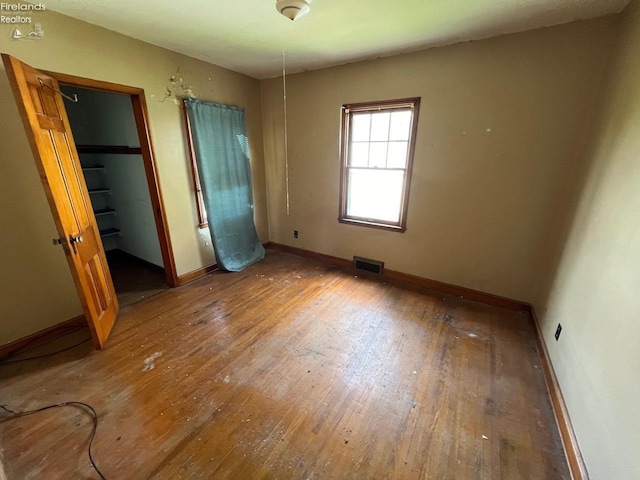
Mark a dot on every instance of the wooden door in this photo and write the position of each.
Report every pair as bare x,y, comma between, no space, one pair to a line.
47,126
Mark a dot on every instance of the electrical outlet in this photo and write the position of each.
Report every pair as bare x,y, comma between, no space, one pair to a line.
558,332
295,234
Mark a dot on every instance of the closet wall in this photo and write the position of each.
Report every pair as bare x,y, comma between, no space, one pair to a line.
116,181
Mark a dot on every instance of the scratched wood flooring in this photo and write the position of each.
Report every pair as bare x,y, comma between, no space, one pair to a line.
290,370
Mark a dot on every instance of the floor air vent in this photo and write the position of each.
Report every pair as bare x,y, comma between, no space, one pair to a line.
373,266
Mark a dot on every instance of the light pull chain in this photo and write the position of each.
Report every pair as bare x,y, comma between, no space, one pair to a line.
286,138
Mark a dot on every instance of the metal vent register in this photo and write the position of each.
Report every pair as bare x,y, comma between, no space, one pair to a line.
368,265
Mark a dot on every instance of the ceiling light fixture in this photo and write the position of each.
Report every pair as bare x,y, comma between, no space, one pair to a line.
292,9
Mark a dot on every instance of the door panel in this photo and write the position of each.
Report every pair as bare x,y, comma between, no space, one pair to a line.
49,133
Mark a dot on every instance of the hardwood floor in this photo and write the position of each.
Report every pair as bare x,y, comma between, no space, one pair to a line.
291,369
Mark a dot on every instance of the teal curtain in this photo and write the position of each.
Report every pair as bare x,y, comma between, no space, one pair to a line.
222,155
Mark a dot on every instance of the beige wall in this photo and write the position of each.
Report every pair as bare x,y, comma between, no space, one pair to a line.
502,124
596,287
36,290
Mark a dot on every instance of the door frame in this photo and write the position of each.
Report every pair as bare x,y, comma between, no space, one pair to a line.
141,115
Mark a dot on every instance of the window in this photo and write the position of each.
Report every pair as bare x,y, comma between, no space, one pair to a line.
195,176
376,157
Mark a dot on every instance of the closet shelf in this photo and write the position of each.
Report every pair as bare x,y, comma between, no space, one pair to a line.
113,149
107,232
104,211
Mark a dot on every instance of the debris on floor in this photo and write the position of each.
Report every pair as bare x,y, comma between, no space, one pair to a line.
148,362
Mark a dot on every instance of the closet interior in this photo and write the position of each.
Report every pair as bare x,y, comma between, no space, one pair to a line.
104,130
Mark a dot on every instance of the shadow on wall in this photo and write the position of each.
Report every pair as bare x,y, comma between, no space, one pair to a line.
578,199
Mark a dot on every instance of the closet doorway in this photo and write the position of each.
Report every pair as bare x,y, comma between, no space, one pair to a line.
109,127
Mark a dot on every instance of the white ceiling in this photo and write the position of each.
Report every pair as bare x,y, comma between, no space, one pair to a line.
249,36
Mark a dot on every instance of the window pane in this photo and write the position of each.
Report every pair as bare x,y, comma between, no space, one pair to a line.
397,155
359,154
378,154
360,123
400,123
375,194
380,126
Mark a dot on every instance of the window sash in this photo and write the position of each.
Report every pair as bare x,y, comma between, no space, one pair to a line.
380,204
376,168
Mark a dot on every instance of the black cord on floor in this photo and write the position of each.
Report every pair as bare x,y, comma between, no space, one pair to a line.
67,404
36,343
6,362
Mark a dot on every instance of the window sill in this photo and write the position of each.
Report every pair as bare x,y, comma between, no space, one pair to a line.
372,224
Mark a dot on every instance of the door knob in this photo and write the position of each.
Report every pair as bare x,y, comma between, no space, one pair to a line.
73,239
63,242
